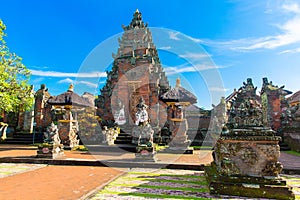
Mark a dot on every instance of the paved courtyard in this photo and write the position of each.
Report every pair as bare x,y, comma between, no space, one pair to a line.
42,181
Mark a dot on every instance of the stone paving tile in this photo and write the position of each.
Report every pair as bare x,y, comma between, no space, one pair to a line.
139,183
9,169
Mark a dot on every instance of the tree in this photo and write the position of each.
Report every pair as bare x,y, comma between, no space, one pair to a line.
15,91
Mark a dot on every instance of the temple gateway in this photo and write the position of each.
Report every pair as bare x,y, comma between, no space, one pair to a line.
136,73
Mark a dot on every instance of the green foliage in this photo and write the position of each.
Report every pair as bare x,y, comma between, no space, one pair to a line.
15,91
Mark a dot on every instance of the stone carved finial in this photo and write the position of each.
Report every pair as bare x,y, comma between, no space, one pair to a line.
178,84
71,88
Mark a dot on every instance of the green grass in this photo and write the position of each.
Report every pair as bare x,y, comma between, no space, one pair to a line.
178,181
148,178
201,147
153,179
162,196
6,172
295,153
144,185
183,176
149,195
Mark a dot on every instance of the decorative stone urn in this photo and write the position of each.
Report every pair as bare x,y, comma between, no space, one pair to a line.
246,154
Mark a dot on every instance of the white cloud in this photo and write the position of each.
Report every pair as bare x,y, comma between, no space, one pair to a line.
65,74
194,55
68,80
173,35
290,32
297,50
93,85
292,7
175,70
218,89
165,48
195,68
195,39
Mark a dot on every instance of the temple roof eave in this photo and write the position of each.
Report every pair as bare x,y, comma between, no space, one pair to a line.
178,94
69,98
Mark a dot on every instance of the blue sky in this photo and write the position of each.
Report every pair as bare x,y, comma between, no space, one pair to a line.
241,39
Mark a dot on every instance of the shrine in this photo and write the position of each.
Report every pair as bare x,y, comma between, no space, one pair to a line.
177,99
64,104
247,152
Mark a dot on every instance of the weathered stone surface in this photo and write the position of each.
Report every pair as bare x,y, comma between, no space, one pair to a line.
50,151
246,154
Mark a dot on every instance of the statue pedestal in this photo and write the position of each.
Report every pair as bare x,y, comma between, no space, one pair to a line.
68,133
246,164
145,153
179,142
50,151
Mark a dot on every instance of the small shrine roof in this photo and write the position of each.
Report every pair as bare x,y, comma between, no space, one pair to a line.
69,98
179,94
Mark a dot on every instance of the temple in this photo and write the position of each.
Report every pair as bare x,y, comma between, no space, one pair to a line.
136,72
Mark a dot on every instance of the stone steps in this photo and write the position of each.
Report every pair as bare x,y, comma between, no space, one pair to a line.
24,138
123,138
112,148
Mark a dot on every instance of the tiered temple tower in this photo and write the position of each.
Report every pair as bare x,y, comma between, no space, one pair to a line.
136,72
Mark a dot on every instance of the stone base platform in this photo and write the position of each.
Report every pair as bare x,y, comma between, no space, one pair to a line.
53,152
177,150
145,154
248,186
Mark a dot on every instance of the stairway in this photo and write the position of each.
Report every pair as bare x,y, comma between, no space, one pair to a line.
24,138
123,138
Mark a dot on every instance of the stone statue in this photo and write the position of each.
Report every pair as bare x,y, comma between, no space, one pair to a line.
141,114
51,135
143,134
54,148
3,130
109,135
74,142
